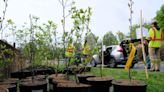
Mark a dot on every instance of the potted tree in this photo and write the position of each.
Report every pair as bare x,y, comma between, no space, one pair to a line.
132,85
72,63
6,56
33,84
129,85
101,83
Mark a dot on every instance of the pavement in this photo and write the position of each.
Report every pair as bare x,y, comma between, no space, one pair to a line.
140,66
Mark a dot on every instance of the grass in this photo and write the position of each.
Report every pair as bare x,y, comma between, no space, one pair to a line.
155,83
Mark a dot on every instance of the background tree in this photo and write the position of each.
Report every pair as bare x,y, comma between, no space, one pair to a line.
133,31
120,36
110,39
92,40
160,17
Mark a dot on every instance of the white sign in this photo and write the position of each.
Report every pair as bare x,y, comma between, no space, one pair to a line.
145,33
103,48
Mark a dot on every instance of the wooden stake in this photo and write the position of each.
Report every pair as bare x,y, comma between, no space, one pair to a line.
142,42
102,65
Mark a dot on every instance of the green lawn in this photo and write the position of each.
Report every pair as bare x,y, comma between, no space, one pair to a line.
155,83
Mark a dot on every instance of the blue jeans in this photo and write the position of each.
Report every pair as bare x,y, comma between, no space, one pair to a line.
148,63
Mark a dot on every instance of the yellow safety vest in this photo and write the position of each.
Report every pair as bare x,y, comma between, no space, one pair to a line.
155,38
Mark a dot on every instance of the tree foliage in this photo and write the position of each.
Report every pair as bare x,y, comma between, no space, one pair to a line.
110,39
160,17
41,45
120,36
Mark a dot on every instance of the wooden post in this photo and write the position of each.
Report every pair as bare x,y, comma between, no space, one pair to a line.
102,65
142,42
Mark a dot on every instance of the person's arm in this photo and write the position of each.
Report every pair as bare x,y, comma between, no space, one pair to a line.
151,33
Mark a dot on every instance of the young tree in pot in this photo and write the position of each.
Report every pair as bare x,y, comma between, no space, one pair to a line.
81,20
31,85
6,53
87,52
132,85
102,83
76,32
129,85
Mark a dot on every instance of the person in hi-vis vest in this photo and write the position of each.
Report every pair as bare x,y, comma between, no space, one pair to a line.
154,46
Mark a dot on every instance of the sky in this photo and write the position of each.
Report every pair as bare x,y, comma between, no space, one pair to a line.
108,15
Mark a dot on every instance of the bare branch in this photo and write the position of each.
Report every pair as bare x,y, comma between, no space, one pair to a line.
3,17
60,2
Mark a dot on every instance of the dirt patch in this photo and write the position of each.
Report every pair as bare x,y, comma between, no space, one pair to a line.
38,77
2,89
72,85
106,78
59,76
86,75
7,86
10,81
33,83
129,82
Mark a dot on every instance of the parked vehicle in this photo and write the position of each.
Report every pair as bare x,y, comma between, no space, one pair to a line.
116,54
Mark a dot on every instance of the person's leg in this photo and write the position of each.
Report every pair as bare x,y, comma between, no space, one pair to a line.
148,62
157,66
152,58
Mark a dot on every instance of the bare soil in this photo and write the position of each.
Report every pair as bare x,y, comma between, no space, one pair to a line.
104,78
59,76
33,83
10,81
86,75
127,82
37,77
72,85
2,89
6,86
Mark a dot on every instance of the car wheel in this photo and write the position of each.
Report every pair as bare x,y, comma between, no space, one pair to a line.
112,63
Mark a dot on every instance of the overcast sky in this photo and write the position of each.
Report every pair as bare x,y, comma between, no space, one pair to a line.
108,15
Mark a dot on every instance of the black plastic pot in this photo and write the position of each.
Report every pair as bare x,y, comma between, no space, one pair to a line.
21,74
73,87
56,81
44,71
100,84
30,86
83,78
129,86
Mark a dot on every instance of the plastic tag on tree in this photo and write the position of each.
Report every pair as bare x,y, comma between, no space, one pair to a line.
130,58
